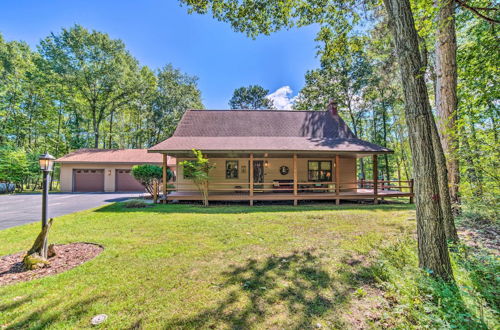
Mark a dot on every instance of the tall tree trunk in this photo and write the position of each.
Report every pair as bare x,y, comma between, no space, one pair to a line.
474,152
446,90
59,115
96,123
470,167
399,173
404,158
355,131
110,130
384,132
96,135
30,128
441,164
432,248
444,193
405,166
361,160
362,168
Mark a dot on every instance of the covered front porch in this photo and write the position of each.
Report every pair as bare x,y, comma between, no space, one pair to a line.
287,177
358,194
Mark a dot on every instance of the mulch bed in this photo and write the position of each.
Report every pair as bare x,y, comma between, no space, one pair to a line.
67,257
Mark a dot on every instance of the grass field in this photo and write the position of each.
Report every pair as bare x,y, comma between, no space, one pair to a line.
183,266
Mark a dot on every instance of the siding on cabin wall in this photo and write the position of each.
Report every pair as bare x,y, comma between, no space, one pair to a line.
347,173
218,174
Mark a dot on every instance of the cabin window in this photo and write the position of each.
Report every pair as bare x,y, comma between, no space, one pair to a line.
232,169
319,170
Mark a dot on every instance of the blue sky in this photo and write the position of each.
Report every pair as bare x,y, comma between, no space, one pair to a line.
158,32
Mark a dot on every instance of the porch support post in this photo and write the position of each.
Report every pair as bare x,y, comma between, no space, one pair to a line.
164,185
375,178
295,182
337,179
251,179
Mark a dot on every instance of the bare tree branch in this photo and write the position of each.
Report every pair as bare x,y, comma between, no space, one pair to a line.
476,11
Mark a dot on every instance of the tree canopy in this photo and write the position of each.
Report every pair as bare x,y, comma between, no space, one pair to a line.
252,97
83,89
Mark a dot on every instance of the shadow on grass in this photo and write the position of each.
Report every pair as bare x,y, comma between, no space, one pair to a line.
43,317
15,303
448,299
483,270
291,291
236,209
439,304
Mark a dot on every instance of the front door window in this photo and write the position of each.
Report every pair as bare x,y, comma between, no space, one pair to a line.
258,171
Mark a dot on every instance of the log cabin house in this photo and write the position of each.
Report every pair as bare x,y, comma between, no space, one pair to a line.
270,155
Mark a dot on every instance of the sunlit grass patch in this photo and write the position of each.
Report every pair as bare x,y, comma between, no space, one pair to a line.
183,266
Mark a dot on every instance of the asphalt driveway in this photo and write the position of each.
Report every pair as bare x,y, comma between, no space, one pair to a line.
19,209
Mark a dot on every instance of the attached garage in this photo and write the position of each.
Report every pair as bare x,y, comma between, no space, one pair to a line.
105,170
126,182
88,180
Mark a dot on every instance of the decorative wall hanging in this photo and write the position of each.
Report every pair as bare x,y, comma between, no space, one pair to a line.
284,170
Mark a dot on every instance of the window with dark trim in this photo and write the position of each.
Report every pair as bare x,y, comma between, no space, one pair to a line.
232,169
319,170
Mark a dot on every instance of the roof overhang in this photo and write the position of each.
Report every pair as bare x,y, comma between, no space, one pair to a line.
107,163
271,153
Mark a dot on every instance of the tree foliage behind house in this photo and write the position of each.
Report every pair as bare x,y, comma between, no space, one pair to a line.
83,89
252,97
18,167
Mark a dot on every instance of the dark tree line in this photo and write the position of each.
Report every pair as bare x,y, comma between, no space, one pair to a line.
82,89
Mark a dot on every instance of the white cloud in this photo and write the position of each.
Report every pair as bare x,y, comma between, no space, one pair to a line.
282,98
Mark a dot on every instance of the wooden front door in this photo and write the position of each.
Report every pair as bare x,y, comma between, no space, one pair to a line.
258,171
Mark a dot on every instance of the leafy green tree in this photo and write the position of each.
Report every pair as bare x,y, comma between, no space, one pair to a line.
198,170
81,89
176,92
252,97
98,70
26,112
344,75
13,166
478,114
149,175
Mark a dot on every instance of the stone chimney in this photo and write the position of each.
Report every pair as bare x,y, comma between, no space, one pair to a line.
333,107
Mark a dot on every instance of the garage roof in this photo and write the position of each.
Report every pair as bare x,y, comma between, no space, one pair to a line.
129,156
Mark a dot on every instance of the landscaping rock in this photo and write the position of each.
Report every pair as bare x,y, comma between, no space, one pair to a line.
34,261
51,252
98,319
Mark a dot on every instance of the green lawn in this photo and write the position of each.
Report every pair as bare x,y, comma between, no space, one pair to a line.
183,266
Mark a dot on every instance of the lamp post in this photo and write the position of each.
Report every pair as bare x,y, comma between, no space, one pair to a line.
46,165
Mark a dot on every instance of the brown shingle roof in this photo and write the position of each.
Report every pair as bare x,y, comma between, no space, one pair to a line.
269,130
130,156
